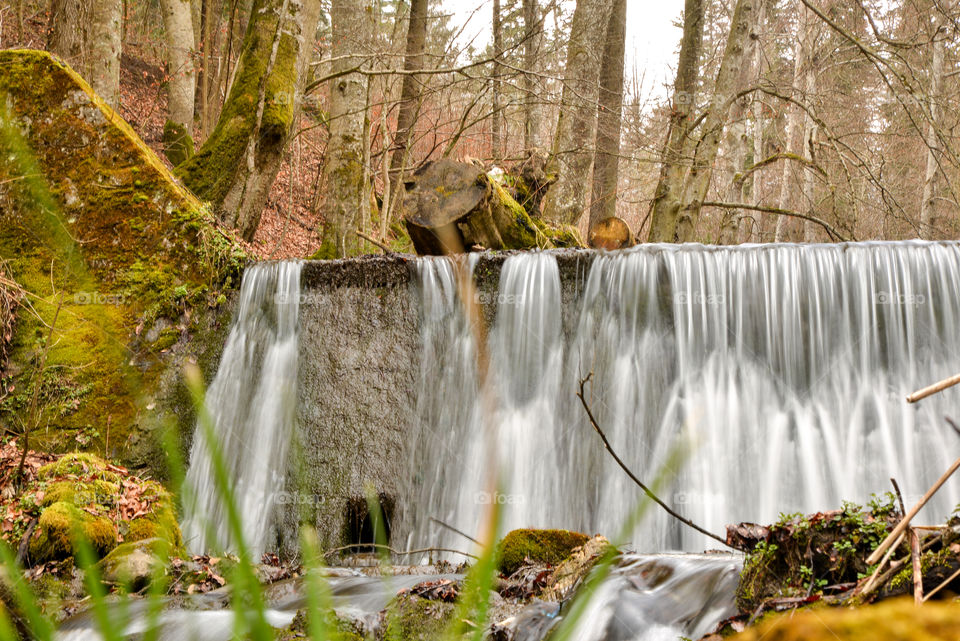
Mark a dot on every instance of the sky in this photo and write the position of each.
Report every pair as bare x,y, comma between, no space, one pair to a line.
652,38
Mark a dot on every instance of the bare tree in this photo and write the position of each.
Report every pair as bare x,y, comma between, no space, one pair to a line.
577,124
532,44
238,163
665,206
409,93
498,120
344,170
929,219
603,203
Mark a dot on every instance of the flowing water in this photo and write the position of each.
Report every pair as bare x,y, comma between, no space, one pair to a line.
779,372
252,406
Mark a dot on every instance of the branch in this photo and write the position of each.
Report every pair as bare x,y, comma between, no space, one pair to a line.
833,233
623,466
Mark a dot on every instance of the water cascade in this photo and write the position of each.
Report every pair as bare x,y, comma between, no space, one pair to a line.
252,404
778,371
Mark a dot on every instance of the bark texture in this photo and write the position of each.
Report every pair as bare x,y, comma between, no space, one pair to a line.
409,95
237,165
497,125
182,83
698,181
66,34
666,199
532,43
577,124
606,163
344,169
929,219
104,47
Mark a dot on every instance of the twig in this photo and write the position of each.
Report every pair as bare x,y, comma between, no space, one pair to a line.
395,552
917,571
896,488
375,242
941,586
952,424
646,490
933,389
905,522
453,529
868,586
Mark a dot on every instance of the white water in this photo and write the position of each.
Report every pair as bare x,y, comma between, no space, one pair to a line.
781,370
252,403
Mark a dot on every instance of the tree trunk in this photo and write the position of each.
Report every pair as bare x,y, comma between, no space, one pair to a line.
532,41
665,206
929,219
606,163
66,38
496,137
409,96
237,165
736,141
577,124
182,83
104,47
344,167
698,181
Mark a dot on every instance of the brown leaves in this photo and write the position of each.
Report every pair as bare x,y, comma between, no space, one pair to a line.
444,590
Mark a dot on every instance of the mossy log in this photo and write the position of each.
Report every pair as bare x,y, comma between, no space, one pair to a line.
453,207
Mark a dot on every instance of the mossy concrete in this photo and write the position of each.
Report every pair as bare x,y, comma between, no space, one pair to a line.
102,237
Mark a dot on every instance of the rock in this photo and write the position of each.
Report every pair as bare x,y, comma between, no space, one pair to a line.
543,546
611,233
134,565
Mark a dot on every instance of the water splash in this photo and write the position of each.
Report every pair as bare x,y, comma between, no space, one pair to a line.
785,365
252,402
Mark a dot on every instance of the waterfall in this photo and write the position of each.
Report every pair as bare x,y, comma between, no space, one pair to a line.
252,404
779,371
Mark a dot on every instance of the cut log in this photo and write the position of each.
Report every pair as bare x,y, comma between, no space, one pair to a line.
452,207
611,233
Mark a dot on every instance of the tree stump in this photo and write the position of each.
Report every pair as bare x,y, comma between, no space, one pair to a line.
611,233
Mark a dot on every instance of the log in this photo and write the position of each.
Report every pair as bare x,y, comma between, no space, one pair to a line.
917,572
611,233
451,206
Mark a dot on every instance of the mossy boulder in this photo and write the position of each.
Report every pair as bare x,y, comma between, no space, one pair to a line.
894,620
82,495
104,238
135,565
415,618
540,546
59,527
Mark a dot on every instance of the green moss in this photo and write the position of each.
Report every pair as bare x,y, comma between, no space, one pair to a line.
96,227
541,546
412,618
178,142
77,463
58,527
895,620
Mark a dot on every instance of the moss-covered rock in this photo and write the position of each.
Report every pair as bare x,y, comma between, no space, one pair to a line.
541,546
413,618
135,565
59,527
106,240
895,620
178,142
339,628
